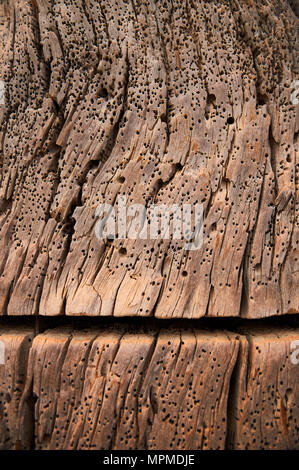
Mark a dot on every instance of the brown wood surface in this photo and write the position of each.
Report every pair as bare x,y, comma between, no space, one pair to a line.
126,388
16,430
166,102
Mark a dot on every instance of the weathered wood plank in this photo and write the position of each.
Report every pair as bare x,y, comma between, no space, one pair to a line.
164,102
133,391
125,388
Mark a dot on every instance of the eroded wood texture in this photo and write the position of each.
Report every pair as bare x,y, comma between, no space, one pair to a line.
165,102
128,388
265,407
132,391
16,426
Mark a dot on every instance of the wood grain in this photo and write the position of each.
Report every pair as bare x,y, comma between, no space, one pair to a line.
132,391
138,388
164,102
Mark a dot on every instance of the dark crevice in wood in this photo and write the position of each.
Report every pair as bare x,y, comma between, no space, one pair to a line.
42,323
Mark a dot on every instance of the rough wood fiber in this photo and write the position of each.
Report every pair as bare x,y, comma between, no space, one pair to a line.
117,388
164,101
132,391
265,401
16,425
